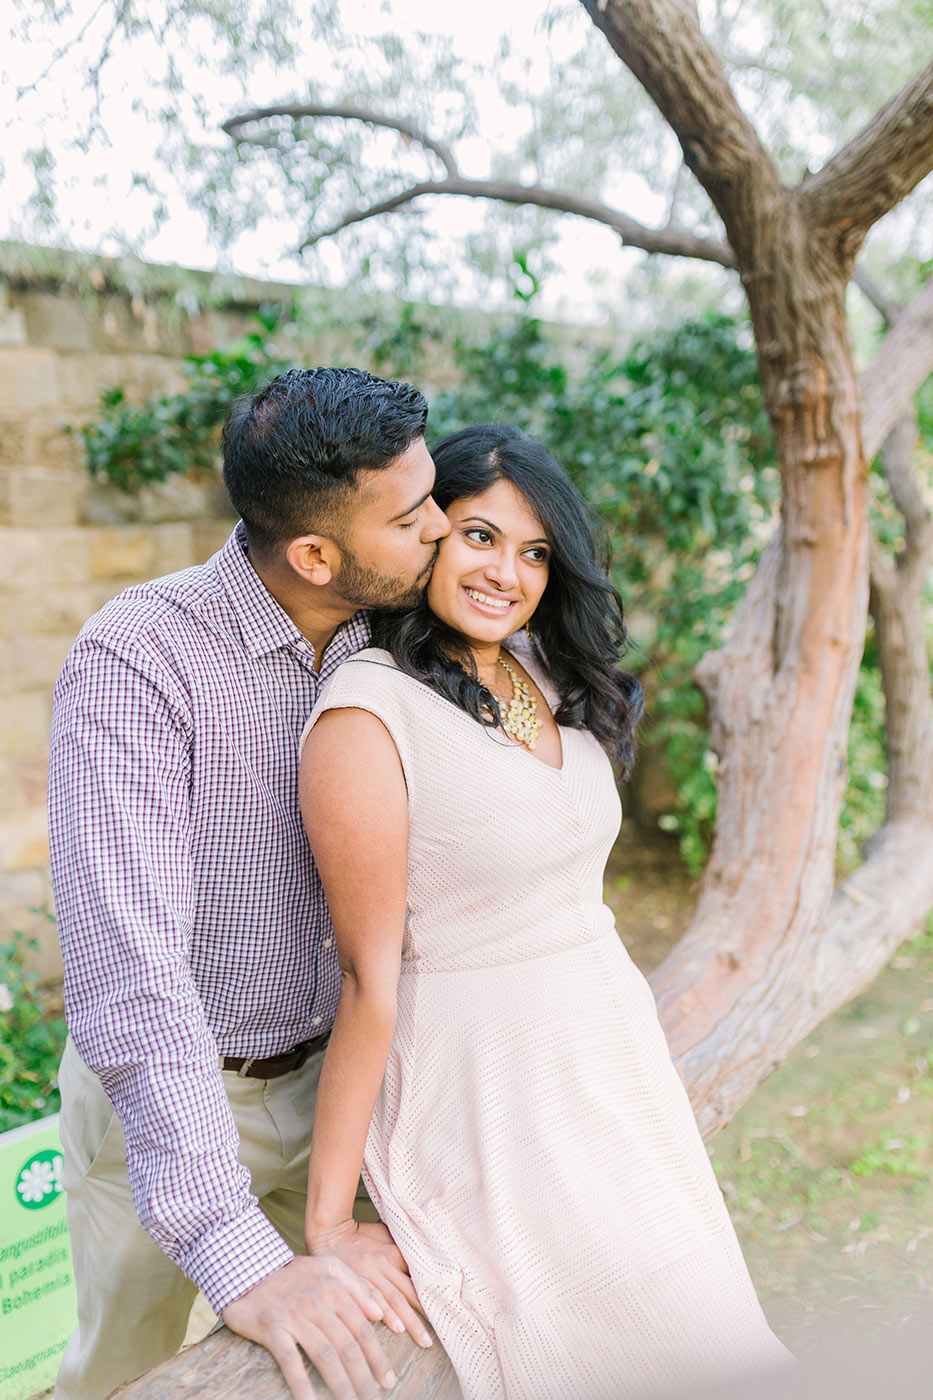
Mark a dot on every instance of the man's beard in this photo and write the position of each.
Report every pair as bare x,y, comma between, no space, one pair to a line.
356,583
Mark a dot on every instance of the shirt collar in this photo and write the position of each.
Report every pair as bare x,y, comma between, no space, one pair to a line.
264,624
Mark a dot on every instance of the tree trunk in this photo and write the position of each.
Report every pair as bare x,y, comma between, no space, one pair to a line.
769,952
780,695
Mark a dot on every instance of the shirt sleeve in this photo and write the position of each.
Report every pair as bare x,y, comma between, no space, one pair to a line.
121,845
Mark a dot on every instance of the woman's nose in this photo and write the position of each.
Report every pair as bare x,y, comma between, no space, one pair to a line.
501,569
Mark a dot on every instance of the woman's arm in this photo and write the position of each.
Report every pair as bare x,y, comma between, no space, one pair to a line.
355,809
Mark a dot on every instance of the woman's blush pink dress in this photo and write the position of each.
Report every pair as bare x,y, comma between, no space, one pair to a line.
532,1149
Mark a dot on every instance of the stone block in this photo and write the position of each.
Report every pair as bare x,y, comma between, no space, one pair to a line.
172,548
105,504
22,894
152,375
20,551
29,379
177,498
32,662
24,841
30,779
9,797
24,722
52,446
207,536
12,320
43,559
16,441
44,496
121,551
83,376
37,612
125,325
62,322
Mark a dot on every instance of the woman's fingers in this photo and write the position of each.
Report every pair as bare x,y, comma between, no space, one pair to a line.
363,1293
410,1319
389,1316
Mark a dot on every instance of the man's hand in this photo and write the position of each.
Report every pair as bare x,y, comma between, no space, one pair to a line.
370,1251
319,1307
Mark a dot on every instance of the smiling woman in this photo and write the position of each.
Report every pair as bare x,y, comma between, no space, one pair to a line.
521,544
496,1064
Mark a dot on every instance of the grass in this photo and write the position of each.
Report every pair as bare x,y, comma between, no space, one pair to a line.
828,1169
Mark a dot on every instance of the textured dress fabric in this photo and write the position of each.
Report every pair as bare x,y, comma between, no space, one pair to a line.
532,1150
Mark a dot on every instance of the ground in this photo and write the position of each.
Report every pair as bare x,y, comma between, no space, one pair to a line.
828,1169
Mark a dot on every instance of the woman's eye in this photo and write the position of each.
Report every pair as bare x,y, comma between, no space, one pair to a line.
482,536
538,556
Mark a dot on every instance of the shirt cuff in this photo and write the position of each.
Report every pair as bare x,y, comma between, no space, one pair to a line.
236,1256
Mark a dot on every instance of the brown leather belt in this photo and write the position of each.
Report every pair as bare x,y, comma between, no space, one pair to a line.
249,1068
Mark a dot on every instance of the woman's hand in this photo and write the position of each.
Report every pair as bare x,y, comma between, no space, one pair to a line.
370,1251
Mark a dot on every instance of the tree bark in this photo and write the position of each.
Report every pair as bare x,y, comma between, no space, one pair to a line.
737,992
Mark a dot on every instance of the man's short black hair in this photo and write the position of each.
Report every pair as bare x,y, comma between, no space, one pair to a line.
293,452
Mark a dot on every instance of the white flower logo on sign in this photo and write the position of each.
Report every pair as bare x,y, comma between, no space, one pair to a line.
40,1180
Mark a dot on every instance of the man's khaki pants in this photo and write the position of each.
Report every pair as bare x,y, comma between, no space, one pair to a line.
133,1302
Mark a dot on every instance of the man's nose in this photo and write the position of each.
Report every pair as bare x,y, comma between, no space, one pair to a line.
436,524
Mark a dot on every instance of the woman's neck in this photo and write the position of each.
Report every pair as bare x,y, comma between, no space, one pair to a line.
486,658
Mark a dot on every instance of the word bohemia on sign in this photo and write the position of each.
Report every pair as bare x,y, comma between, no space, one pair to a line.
37,1297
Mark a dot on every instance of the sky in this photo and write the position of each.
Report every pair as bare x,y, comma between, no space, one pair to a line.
109,186
102,207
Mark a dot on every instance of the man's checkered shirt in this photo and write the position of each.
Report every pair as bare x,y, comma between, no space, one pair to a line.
192,921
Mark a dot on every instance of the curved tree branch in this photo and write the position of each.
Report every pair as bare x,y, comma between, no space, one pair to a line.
876,169
660,41
897,371
885,305
233,126
673,241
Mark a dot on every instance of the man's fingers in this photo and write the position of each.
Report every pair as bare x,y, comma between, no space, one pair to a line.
344,1364
291,1364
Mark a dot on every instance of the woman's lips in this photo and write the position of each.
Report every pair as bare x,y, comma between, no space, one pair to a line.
478,599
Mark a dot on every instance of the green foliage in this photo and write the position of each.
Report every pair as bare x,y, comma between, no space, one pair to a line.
31,1040
669,442
133,445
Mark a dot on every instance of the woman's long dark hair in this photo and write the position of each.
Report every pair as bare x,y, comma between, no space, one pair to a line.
577,630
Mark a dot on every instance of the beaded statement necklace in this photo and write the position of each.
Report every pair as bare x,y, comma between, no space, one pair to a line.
520,719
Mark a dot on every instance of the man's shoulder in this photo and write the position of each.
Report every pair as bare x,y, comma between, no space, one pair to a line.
174,603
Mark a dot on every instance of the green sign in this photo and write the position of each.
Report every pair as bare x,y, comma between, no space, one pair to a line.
37,1296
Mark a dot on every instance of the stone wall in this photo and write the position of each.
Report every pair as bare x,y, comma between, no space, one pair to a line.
68,326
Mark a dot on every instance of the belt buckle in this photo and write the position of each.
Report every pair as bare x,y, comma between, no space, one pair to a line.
245,1067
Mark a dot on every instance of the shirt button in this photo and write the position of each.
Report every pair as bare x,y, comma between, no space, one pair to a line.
327,942
316,1020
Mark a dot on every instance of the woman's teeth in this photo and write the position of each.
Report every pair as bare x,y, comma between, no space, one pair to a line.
500,603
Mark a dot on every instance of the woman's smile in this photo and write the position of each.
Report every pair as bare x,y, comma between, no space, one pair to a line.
486,604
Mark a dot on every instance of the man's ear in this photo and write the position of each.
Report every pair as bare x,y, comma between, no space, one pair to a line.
314,558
